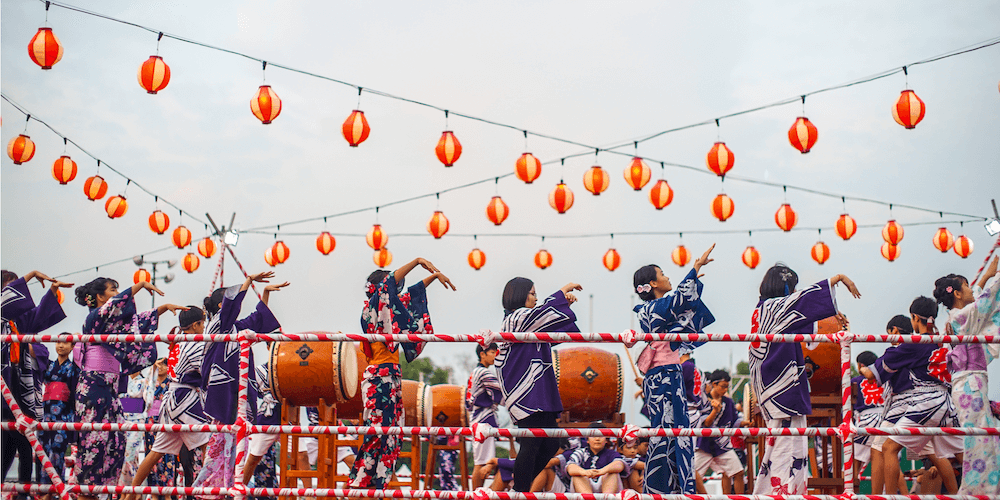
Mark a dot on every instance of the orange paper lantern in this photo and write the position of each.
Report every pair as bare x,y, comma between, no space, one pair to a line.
325,243
890,251
637,174
785,217
382,257
356,128
661,195
963,246
206,248
266,105
846,227
751,257
543,259
596,180
611,259
720,159
141,275
943,240
909,109
377,238
438,225
116,206
181,237
95,188
477,259
280,251
892,233
64,170
680,256
528,168
723,207
154,75
21,149
561,198
497,211
191,262
820,252
269,257
803,134
59,295
44,48
448,148
159,222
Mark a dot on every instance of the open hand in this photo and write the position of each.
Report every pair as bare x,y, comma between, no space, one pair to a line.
704,259
275,288
426,264
570,298
60,284
174,308
261,277
445,281
851,287
152,288
569,287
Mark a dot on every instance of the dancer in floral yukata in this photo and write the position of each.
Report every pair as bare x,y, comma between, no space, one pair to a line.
389,311
778,371
101,454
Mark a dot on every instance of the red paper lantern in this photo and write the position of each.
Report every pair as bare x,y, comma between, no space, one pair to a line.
44,48
159,222
206,248
892,233
637,174
543,259
497,211
963,246
154,75
141,275
116,206
751,257
266,105
64,170
181,237
528,168
785,217
846,227
890,251
382,257
325,243
611,259
661,195
477,259
561,198
596,180
191,262
820,252
21,149
280,251
59,295
680,256
448,148
723,207
803,134
269,257
909,109
377,238
356,128
95,188
438,225
943,240
720,159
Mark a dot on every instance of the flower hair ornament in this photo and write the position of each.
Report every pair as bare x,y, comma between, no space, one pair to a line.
370,288
949,289
646,288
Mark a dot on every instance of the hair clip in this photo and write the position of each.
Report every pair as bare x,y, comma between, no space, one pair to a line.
644,288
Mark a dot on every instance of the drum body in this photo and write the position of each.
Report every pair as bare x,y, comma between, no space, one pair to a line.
444,406
822,360
302,373
352,408
414,402
590,383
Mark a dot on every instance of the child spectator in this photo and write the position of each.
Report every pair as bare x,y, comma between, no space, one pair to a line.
630,452
58,401
717,452
596,467
481,399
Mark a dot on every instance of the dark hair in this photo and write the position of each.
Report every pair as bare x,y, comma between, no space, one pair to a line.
86,295
867,358
925,308
492,347
515,294
941,286
7,276
193,315
214,301
564,443
643,276
376,278
719,375
901,322
778,281
597,425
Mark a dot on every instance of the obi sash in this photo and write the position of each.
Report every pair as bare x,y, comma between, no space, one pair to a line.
132,405
96,359
154,408
56,391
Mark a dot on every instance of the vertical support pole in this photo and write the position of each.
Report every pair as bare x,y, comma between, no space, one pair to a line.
847,420
242,434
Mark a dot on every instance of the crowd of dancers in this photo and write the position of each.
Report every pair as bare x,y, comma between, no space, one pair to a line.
910,385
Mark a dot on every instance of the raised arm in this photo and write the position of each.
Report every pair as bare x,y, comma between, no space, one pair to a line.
271,288
169,307
704,259
259,278
42,278
440,277
145,285
840,278
991,271
401,273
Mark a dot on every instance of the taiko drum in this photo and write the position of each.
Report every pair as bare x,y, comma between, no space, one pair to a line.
302,373
822,360
590,383
444,406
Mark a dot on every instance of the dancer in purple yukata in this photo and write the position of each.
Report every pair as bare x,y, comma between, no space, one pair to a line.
778,371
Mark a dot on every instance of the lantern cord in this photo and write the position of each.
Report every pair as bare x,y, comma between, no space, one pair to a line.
127,259
803,105
359,98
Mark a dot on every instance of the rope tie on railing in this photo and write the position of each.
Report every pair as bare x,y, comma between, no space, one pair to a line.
630,434
629,338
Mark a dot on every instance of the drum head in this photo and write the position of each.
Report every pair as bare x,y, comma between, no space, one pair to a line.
426,405
272,378
347,354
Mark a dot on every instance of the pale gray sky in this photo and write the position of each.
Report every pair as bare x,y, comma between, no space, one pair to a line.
598,73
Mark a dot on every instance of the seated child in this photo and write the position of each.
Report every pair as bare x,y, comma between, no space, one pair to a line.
717,452
596,467
635,463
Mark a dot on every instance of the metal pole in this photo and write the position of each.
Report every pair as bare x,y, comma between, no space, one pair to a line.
153,295
591,312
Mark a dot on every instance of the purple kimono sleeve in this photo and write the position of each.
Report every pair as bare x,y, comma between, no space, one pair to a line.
897,358
229,310
262,320
795,312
